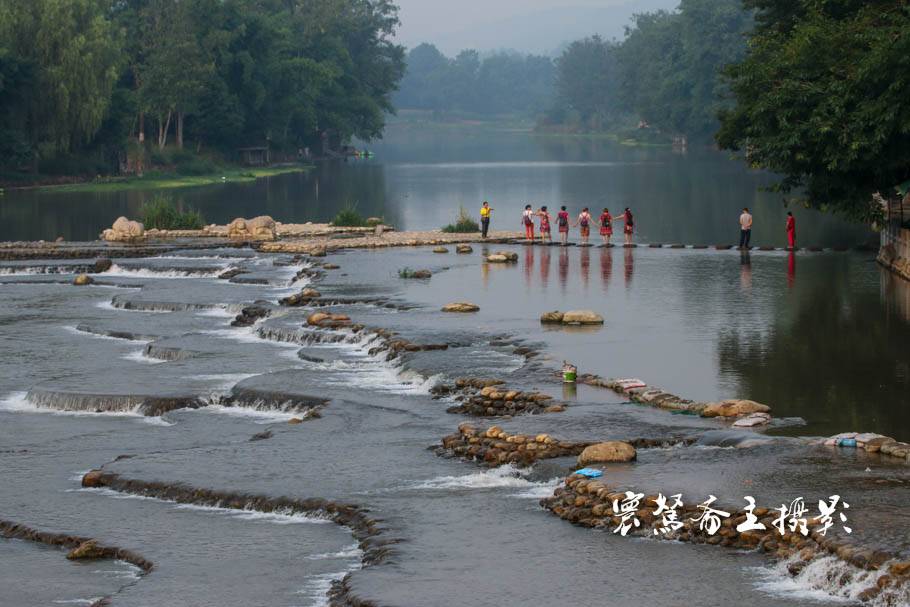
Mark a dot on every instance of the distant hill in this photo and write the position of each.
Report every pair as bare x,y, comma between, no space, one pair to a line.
545,31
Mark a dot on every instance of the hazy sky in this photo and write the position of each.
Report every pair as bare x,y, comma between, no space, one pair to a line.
526,25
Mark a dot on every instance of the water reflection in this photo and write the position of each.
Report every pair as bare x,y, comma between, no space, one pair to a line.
606,267
563,268
628,265
545,266
791,269
745,271
585,266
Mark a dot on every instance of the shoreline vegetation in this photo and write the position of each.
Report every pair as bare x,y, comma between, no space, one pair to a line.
157,180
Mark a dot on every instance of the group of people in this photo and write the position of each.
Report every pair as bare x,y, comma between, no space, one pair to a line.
584,221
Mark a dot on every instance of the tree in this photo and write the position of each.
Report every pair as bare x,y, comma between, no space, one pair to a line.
73,53
821,99
586,80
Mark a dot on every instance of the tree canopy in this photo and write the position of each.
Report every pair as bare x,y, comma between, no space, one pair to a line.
821,99
79,75
501,83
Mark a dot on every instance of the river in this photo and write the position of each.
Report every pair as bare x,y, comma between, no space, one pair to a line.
818,336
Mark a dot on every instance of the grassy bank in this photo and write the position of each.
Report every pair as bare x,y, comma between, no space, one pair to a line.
168,181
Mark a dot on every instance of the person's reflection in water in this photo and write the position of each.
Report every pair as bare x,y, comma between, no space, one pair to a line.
606,267
484,268
629,263
585,257
563,268
745,270
791,269
569,391
545,266
529,265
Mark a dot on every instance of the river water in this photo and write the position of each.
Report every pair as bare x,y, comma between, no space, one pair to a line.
818,336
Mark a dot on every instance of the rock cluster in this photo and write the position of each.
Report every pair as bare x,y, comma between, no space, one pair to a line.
485,398
503,257
589,503
871,443
249,315
494,447
257,228
329,321
572,317
394,347
460,307
124,230
300,299
747,413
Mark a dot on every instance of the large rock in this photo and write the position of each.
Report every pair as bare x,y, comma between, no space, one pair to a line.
82,280
92,478
316,318
601,453
461,306
257,228
582,317
733,408
503,257
440,250
124,230
552,318
464,249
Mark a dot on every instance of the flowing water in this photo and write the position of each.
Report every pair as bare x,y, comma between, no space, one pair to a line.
146,363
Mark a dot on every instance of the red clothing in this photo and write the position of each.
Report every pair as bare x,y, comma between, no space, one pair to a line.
606,224
562,218
791,232
545,222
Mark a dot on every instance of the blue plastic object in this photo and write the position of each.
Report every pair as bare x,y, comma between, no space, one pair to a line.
589,472
846,442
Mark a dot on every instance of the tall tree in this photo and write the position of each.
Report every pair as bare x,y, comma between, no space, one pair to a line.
821,99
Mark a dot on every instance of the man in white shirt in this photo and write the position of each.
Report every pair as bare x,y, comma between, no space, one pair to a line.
745,229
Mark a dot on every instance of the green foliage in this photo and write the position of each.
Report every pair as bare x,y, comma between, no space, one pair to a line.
665,72
161,213
79,76
464,224
502,83
821,99
348,217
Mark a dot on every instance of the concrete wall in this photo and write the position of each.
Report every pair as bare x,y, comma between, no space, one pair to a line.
894,253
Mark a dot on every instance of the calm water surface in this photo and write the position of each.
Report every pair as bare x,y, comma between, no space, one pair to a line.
419,176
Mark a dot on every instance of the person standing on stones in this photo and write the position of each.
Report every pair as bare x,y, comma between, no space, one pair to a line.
791,231
562,220
527,218
485,219
606,226
745,228
584,222
629,228
544,224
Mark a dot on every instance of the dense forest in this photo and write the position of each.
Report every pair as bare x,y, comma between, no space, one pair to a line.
665,73
496,84
103,85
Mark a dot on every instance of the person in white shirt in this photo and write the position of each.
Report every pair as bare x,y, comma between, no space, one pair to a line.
745,229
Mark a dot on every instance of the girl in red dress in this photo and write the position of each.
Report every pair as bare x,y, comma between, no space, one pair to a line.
544,224
791,231
630,225
562,220
606,226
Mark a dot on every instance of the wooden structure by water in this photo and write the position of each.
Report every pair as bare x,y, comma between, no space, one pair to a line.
255,156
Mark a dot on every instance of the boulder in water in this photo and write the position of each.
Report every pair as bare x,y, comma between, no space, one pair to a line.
733,408
310,294
582,317
611,451
92,478
103,265
440,250
752,420
83,279
124,230
497,258
258,228
552,318
316,318
86,550
461,307
464,249
331,266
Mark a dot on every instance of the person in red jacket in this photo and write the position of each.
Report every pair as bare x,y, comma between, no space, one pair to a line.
606,226
562,220
791,231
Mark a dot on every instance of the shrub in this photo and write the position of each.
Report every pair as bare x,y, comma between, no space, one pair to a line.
161,213
409,273
196,166
348,217
465,224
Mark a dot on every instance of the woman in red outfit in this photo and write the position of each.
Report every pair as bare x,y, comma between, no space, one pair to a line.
606,226
562,220
791,231
544,224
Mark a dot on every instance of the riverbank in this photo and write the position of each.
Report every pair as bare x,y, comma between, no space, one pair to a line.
155,180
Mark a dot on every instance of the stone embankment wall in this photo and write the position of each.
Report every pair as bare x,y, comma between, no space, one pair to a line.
894,253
